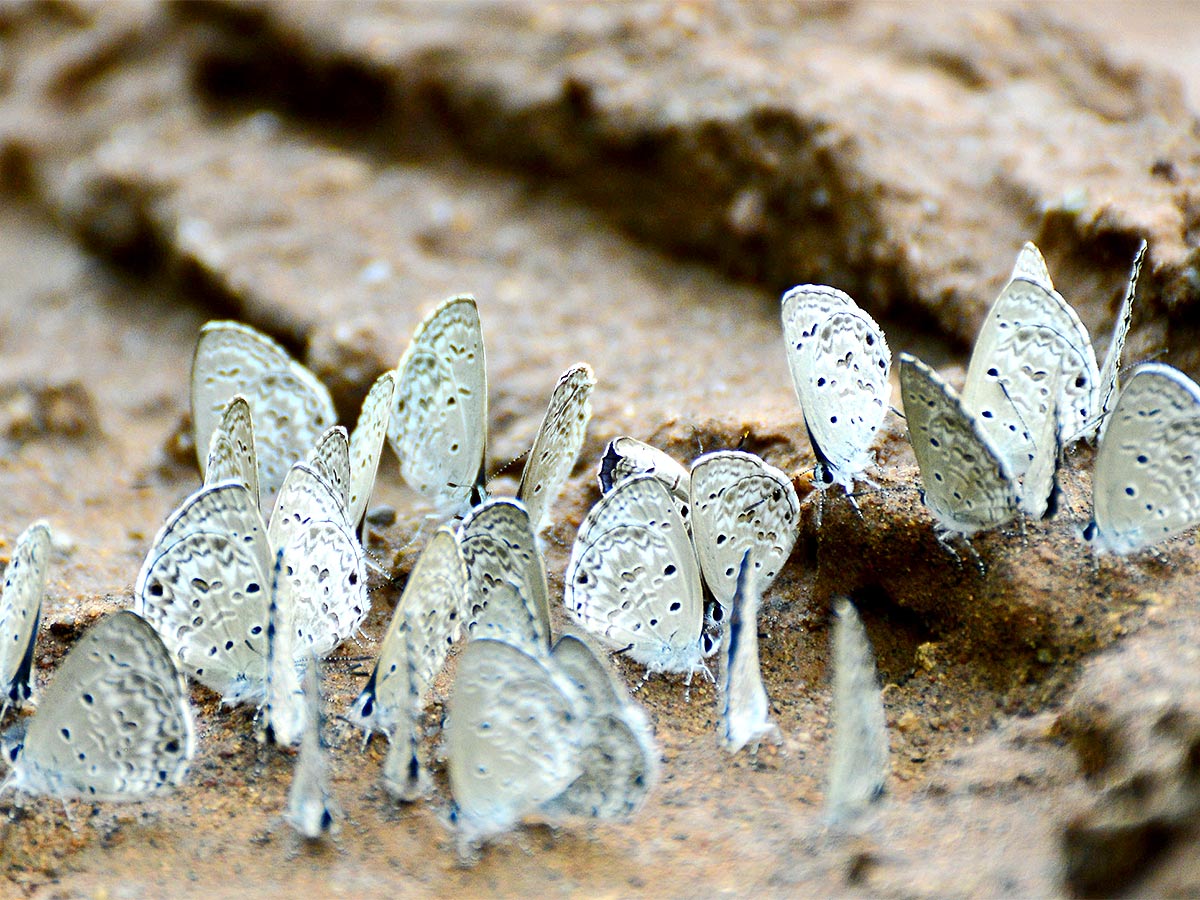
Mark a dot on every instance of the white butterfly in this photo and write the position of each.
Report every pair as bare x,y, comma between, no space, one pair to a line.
858,763
840,364
21,611
231,455
310,805
438,424
289,405
511,739
507,597
1031,339
557,445
1146,483
209,582
968,485
618,755
745,709
554,735
330,458
625,457
633,580
366,444
426,622
114,724
740,504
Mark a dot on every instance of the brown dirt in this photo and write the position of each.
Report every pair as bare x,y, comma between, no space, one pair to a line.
628,185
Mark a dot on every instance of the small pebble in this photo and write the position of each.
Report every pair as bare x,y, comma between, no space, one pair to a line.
381,516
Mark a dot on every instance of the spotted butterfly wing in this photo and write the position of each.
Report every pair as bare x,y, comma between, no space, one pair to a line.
438,425
290,407
114,723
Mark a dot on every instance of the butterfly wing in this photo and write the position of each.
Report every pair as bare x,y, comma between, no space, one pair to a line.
802,309
506,579
330,458
841,380
1030,339
205,588
1031,266
289,405
21,610
967,483
745,709
1116,346
633,580
114,723
231,455
438,425
366,443
618,755
557,445
1146,484
740,504
424,625
859,754
510,738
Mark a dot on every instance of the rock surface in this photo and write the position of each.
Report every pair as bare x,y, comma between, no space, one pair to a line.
629,185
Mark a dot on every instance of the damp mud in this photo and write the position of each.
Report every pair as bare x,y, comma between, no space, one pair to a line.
630,185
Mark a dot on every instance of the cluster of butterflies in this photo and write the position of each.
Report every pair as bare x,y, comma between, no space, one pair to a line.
669,567
1033,387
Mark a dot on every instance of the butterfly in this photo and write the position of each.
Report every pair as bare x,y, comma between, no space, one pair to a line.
840,365
438,422
1146,482
741,505
1031,339
215,571
557,444
633,580
967,483
426,622
289,406
625,457
21,611
744,706
114,724
556,734
310,805
507,597
858,763
438,426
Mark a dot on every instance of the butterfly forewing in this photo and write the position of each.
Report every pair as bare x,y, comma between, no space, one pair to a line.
438,425
740,504
1146,485
1116,347
114,723
289,406
330,458
366,443
424,625
633,580
967,484
21,610
1030,340
231,454
557,445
